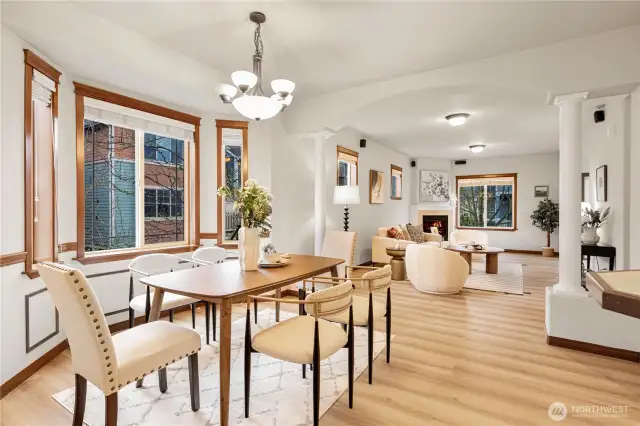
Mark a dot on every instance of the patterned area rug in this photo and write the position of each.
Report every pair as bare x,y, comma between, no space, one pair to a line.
279,394
507,280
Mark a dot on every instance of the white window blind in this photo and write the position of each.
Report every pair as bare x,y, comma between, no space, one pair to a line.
42,88
120,116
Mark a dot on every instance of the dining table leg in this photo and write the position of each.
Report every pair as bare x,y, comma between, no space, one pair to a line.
225,360
154,315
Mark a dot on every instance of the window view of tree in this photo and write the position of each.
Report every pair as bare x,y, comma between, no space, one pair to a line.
485,206
111,206
233,180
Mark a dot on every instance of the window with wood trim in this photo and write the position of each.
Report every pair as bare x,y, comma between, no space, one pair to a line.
347,168
487,202
40,133
233,172
137,175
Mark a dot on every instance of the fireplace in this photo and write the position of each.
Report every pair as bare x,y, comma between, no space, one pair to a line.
439,221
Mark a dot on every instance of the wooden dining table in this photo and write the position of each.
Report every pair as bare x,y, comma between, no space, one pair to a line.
226,284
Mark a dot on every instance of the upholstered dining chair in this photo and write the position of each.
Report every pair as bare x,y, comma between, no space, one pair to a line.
366,310
209,256
154,264
337,244
112,362
305,339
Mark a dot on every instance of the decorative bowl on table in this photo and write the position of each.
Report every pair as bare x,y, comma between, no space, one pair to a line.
271,258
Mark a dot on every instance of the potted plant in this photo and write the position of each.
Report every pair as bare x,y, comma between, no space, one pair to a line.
253,202
546,217
592,219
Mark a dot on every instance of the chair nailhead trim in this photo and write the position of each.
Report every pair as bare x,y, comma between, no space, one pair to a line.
97,327
105,349
84,297
106,357
95,320
109,365
110,380
109,373
71,273
99,334
76,281
91,313
81,289
102,343
88,305
113,388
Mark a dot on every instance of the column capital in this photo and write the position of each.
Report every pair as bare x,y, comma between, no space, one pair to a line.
570,98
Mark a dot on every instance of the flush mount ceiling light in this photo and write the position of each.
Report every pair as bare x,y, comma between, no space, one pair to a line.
247,96
477,148
457,119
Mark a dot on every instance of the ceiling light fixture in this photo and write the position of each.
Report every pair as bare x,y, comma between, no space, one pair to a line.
476,149
247,96
457,119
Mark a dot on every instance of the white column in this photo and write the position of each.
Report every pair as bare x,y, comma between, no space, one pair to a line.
320,189
570,192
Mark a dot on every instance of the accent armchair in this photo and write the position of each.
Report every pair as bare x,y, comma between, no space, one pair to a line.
435,270
112,362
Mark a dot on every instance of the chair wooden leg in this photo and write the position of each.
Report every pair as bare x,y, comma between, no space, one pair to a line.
255,311
147,307
194,382
370,342
301,296
316,376
207,319
111,410
81,400
193,316
162,380
132,315
351,363
170,315
388,325
214,320
304,371
247,363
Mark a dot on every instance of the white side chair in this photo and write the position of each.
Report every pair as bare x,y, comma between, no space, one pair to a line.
463,236
366,309
435,270
305,339
112,362
209,256
154,264
337,244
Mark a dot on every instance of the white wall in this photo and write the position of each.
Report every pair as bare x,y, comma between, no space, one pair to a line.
608,143
293,185
112,290
634,177
532,170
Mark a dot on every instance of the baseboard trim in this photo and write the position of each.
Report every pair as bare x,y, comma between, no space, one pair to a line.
48,356
592,348
538,252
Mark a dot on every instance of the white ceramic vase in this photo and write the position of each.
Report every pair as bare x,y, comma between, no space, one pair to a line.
589,235
249,248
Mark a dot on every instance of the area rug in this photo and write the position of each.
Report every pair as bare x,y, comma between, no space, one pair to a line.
507,280
279,394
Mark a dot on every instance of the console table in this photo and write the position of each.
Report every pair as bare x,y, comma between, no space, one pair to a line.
599,250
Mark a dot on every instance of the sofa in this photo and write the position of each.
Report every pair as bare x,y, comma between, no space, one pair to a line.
435,270
380,242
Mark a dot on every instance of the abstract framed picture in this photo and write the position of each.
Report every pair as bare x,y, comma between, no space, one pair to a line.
376,187
601,183
434,186
396,183
541,191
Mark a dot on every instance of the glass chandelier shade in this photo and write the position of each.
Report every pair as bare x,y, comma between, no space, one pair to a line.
247,96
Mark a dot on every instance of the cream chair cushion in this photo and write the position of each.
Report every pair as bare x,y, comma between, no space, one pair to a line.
378,278
209,255
463,236
169,301
435,270
341,293
360,312
340,245
144,349
292,340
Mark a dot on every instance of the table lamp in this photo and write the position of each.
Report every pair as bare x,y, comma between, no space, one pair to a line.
346,195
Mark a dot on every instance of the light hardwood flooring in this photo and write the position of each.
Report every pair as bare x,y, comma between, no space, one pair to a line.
474,358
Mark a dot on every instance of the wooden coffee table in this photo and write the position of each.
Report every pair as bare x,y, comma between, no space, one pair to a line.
490,252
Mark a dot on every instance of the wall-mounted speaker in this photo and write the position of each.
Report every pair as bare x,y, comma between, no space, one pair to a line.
460,162
598,115
363,143
413,163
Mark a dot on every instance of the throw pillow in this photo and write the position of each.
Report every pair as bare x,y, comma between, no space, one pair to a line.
402,233
392,233
416,233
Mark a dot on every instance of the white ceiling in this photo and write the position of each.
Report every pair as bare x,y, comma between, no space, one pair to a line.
178,52
326,46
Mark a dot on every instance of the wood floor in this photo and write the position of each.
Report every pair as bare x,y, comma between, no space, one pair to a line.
475,358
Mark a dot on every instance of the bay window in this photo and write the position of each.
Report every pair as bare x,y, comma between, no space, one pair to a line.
487,202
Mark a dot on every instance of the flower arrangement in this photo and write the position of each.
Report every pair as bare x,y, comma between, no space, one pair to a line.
268,249
594,218
253,202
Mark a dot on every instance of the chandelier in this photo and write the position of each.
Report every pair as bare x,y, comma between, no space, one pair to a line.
250,100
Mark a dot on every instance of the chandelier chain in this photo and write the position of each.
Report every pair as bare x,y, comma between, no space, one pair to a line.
257,40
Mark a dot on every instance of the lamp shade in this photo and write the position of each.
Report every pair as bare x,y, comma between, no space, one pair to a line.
346,195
